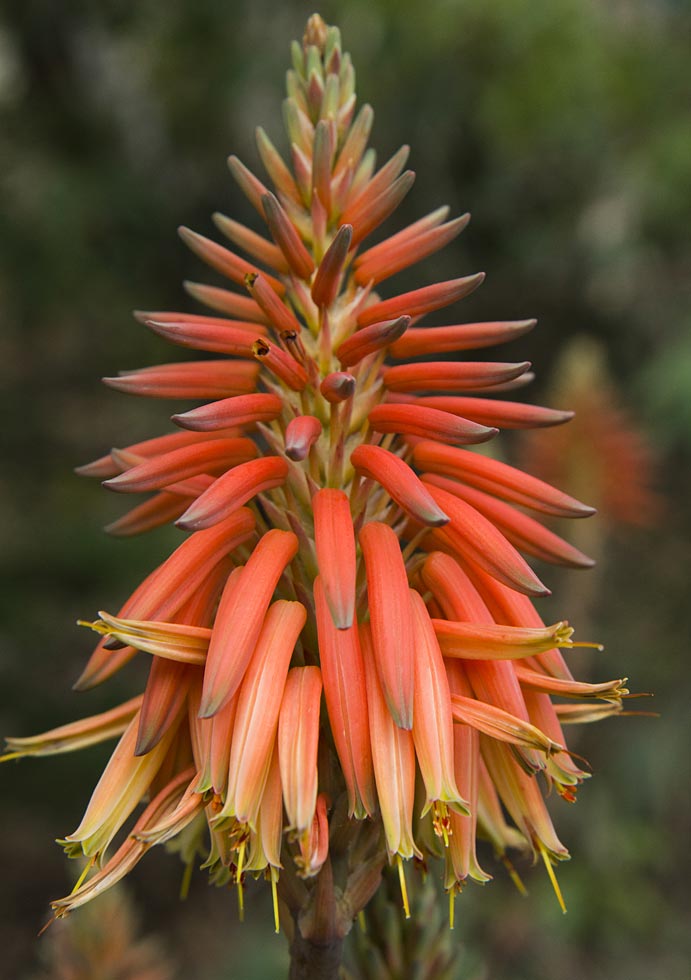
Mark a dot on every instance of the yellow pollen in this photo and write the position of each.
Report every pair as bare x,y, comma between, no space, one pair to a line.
274,899
404,890
362,922
552,877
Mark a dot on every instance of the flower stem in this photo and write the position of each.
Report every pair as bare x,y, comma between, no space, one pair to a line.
312,960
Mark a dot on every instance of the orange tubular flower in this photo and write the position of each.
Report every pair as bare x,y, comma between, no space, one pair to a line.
391,619
393,753
256,719
339,530
343,674
298,742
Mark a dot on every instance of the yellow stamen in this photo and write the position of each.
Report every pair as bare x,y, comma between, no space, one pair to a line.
441,821
87,868
513,875
238,879
274,899
404,890
362,922
11,755
552,877
186,880
452,907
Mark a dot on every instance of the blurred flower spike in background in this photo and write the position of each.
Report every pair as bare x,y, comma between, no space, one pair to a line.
348,669
602,445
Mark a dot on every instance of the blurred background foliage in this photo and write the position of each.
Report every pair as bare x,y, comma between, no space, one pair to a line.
565,127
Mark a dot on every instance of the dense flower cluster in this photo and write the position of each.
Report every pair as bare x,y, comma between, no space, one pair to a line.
346,662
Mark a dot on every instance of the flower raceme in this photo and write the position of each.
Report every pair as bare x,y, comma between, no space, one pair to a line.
341,539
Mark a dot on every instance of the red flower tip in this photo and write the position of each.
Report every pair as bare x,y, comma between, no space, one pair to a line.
301,434
462,336
279,314
500,479
337,387
213,456
367,213
328,277
371,339
281,363
287,238
421,301
222,259
251,186
233,489
226,302
404,249
428,423
451,375
239,410
197,379
216,337
400,482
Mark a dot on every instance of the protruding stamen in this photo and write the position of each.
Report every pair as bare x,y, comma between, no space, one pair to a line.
238,880
404,890
274,898
552,876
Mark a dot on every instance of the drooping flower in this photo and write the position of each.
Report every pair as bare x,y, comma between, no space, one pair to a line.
341,537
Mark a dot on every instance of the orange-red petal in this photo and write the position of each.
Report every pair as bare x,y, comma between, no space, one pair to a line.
343,675
390,619
230,491
298,743
240,617
334,539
